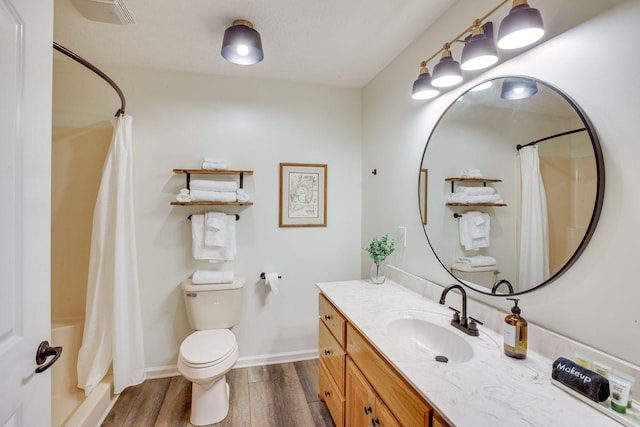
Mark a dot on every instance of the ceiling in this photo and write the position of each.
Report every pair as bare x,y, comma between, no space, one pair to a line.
334,42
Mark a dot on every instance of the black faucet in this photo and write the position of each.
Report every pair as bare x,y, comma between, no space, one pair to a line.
468,327
500,282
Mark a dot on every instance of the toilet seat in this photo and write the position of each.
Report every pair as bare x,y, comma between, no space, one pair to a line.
203,349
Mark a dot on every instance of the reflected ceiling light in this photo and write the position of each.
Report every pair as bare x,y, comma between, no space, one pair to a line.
447,72
422,87
241,44
518,88
480,51
521,27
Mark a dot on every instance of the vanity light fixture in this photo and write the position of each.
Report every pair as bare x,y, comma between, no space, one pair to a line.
518,88
242,44
422,87
521,27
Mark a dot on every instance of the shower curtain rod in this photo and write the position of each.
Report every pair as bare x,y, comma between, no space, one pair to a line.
569,132
78,58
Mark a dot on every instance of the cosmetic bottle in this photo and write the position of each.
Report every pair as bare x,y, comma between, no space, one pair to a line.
515,333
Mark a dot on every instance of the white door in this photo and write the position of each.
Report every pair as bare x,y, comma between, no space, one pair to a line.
26,38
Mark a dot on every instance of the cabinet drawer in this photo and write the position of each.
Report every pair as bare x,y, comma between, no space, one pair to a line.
331,395
333,319
333,355
399,396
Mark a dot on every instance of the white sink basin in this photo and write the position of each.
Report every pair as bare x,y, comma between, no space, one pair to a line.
434,339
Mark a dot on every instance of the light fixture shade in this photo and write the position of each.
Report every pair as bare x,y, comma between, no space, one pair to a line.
423,89
479,52
521,27
447,71
242,44
518,88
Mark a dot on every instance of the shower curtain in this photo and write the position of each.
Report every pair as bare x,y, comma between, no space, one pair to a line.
534,228
113,323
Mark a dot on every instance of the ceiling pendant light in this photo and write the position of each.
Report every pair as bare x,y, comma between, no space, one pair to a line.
521,27
518,88
447,72
422,87
241,44
479,51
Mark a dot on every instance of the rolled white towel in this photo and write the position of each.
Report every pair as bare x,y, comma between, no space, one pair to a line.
242,196
214,164
212,185
202,277
471,173
213,196
475,191
457,198
183,198
488,198
184,191
478,260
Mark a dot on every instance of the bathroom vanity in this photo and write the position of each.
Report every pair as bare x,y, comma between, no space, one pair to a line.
378,345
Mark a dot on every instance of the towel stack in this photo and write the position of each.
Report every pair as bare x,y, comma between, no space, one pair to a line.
207,277
210,163
471,173
475,229
475,195
477,261
213,236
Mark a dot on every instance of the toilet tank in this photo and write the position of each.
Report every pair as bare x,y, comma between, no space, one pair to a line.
483,276
213,306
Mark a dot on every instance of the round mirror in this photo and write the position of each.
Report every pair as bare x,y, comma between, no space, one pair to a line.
511,185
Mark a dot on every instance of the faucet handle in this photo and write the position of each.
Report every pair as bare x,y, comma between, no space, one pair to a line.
476,320
472,323
456,315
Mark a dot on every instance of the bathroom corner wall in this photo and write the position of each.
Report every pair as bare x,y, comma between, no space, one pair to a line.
596,301
179,118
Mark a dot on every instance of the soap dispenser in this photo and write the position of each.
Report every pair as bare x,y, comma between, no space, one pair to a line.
515,333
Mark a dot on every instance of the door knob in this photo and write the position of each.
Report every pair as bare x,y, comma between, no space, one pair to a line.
44,351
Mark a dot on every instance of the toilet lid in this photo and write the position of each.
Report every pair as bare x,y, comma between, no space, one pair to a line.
207,347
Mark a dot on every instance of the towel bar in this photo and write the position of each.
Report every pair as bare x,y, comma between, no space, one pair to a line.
262,276
237,217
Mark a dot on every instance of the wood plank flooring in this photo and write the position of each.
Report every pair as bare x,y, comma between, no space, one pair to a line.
284,395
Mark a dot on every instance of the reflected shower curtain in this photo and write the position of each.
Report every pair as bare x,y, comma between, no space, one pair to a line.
534,227
113,322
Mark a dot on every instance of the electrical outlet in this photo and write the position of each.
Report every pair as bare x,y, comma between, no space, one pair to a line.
401,237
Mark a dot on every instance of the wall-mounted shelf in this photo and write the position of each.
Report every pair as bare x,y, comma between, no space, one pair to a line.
239,173
484,182
476,204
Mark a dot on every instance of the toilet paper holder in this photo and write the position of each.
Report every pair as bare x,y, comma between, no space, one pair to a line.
263,276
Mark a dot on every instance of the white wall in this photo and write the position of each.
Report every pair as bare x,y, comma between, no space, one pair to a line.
596,302
254,124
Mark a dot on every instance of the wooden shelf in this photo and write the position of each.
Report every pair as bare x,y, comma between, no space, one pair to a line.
476,204
212,203
214,171
459,179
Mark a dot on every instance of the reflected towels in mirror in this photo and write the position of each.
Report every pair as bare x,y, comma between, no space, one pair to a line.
475,228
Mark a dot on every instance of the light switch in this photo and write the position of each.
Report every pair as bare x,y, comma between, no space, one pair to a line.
401,237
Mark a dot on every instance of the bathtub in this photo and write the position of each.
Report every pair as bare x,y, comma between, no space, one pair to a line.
69,406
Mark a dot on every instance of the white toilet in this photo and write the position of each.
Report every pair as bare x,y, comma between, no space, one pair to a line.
211,351
484,276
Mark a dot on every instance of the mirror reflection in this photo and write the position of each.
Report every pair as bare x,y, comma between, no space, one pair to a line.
515,185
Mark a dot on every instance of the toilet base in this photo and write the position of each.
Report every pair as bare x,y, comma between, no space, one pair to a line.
209,402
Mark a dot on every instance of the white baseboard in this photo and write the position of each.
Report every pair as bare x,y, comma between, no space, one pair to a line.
243,362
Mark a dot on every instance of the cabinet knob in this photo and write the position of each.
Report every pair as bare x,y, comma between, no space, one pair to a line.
327,393
327,317
327,352
375,422
367,410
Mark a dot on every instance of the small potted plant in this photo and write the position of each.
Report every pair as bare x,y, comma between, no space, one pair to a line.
379,249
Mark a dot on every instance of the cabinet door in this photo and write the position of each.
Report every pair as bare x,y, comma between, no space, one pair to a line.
360,398
384,417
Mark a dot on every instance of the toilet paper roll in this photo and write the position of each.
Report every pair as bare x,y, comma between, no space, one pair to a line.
271,279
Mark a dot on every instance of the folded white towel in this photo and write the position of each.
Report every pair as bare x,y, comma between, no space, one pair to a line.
183,198
478,260
213,196
214,164
474,233
199,250
242,196
184,191
473,191
201,277
457,198
213,185
215,229
489,198
471,173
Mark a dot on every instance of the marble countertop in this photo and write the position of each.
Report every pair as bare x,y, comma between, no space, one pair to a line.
489,389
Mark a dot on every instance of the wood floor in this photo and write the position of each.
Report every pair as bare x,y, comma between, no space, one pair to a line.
284,395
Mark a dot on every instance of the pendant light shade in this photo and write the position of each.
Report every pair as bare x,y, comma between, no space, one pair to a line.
479,52
447,72
521,27
518,88
422,87
241,44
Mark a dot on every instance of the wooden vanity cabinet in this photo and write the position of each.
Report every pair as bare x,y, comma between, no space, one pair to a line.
359,386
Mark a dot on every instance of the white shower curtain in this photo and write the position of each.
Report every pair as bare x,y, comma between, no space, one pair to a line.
534,228
113,323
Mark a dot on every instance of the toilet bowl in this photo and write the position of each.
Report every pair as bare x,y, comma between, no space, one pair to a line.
207,354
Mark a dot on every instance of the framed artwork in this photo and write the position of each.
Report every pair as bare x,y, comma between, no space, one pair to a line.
303,195
424,185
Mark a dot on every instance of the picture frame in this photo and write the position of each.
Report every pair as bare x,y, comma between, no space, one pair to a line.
303,195
424,186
